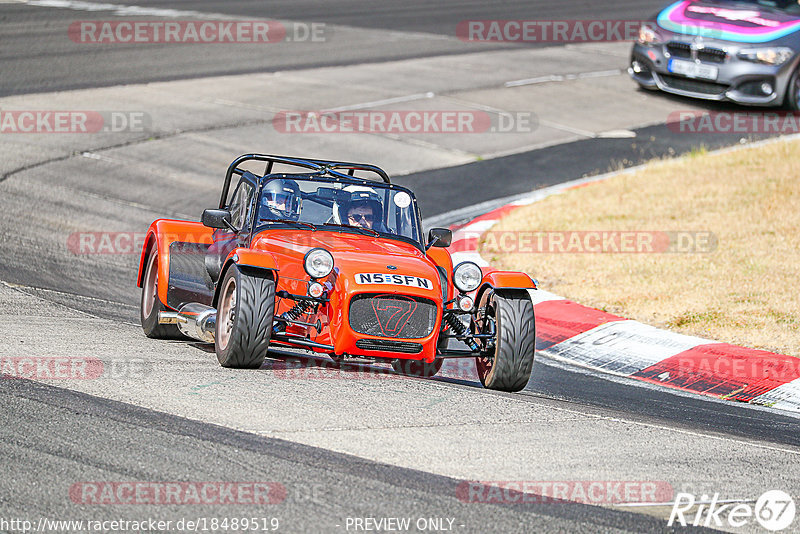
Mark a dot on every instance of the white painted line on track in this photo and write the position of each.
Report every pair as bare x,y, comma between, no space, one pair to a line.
672,503
349,107
123,10
570,129
243,105
563,78
617,134
544,359
757,444
384,102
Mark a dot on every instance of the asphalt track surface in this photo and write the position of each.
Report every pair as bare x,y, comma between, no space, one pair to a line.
84,435
334,486
36,58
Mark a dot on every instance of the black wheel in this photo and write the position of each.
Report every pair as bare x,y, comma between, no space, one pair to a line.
417,368
244,318
792,98
150,304
508,357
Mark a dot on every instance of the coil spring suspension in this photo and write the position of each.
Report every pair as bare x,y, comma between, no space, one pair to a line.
297,310
461,331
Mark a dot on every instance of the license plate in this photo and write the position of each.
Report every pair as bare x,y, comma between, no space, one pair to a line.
691,69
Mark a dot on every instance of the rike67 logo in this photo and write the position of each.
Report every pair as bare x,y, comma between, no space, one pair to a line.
774,510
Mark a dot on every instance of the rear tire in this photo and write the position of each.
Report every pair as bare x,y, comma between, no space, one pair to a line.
508,363
150,304
244,318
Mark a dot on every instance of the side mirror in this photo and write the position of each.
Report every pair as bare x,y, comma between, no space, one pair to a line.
217,219
440,237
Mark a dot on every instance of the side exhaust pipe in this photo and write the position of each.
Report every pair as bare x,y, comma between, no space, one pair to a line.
195,320
167,317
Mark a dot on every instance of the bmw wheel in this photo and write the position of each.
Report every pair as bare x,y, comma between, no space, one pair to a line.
792,99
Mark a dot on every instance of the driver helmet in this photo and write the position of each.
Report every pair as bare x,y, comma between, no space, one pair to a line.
281,199
362,196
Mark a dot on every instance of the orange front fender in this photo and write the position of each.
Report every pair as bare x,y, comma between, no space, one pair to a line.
248,257
163,232
252,258
508,280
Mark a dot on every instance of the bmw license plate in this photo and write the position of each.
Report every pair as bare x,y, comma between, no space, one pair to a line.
691,69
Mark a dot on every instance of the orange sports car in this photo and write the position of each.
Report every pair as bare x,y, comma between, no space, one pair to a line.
330,257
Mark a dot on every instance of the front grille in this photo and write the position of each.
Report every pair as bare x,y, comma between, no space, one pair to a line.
405,347
712,55
676,49
395,316
706,55
693,86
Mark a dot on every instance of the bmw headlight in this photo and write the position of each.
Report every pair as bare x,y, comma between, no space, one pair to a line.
647,35
772,55
318,263
467,276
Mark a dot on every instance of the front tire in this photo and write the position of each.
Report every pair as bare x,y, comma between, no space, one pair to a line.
244,319
792,98
150,304
508,359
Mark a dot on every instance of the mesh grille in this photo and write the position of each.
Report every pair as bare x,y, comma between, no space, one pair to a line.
679,50
396,316
389,346
711,55
707,55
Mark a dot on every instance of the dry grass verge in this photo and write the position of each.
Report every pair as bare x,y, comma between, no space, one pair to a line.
745,292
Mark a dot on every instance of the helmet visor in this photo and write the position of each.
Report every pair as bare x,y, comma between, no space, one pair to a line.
286,203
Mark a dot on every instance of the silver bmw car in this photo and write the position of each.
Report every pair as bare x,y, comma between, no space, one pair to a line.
745,51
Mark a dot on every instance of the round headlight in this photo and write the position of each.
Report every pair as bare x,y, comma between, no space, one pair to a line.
467,276
315,289
318,263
